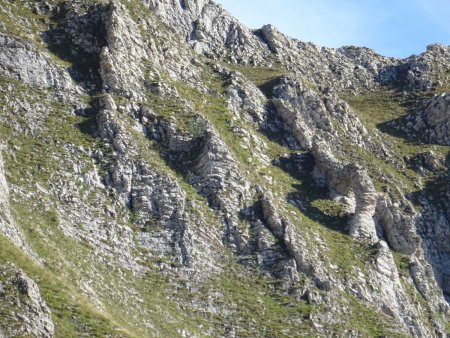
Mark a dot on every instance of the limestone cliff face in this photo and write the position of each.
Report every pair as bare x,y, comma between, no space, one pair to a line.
167,171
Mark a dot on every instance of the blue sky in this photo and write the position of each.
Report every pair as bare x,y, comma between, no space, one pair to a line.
391,27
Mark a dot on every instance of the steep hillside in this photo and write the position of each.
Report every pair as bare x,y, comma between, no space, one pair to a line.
167,172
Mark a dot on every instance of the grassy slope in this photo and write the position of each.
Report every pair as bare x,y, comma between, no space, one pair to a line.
315,221
245,294
377,110
72,312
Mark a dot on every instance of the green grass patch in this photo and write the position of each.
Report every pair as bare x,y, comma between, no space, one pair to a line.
265,78
72,312
377,110
367,322
329,207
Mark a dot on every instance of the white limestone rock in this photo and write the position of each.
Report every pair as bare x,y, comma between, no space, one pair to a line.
28,314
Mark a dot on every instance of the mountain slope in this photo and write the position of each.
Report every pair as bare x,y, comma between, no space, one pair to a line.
168,172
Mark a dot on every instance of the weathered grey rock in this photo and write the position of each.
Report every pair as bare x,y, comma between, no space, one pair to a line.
124,46
243,96
434,227
426,162
362,225
282,229
218,178
155,198
399,226
433,124
347,68
23,62
166,132
310,116
28,314
303,112
352,183
392,297
425,71
210,29
7,224
162,198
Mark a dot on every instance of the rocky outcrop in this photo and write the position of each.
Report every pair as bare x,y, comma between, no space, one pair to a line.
213,172
211,30
433,226
124,45
351,184
361,224
303,112
310,116
347,68
7,224
218,178
350,125
23,62
399,226
427,70
23,311
392,297
425,162
171,177
243,96
433,124
157,201
285,232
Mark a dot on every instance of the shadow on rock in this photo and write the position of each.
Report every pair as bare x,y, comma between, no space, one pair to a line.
433,227
89,125
310,198
78,39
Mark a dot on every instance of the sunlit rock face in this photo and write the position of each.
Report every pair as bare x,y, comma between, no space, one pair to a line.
159,157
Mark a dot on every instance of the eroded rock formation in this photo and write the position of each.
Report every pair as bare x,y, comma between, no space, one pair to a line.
161,157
